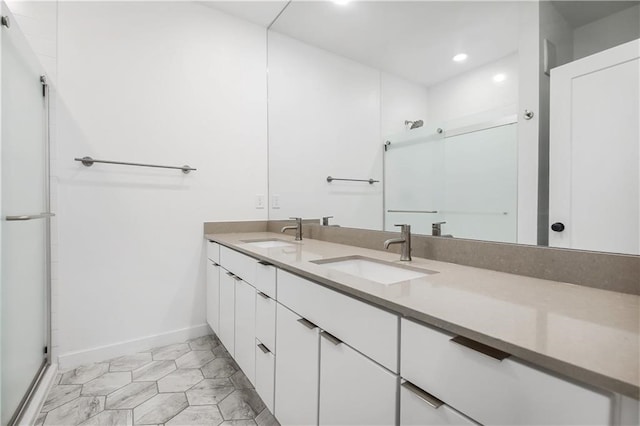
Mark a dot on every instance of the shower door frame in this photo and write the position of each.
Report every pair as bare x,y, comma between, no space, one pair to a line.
21,409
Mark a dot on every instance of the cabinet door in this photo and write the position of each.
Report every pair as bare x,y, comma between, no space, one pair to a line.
227,310
297,366
213,296
245,326
266,321
419,408
265,373
353,389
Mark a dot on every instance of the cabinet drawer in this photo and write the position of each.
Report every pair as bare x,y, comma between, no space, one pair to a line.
227,310
370,330
265,374
419,409
213,251
353,389
266,321
213,296
265,279
241,265
494,391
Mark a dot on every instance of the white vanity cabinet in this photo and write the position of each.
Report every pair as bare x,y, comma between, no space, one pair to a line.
492,387
227,310
418,408
353,389
245,328
213,286
297,364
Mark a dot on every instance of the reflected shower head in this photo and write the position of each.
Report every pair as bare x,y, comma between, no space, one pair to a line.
414,124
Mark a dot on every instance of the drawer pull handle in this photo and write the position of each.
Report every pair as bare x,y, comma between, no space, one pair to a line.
479,347
261,294
263,348
215,264
425,396
307,323
237,278
264,263
330,337
230,274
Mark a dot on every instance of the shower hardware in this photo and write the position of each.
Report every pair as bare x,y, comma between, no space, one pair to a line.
370,180
88,162
5,21
414,124
528,115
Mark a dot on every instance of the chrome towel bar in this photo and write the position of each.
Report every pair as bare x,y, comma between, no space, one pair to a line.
371,181
88,161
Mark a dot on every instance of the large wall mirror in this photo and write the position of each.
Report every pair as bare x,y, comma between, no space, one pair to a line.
497,120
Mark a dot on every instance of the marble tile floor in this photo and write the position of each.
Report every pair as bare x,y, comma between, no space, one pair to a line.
191,383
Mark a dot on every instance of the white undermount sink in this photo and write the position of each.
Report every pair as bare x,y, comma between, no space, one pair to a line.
373,269
268,243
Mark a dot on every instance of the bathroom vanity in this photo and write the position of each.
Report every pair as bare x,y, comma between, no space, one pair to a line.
329,333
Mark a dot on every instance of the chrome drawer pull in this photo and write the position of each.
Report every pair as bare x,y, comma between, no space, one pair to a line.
263,348
214,263
307,323
30,216
425,396
230,274
237,278
264,263
330,337
482,348
261,294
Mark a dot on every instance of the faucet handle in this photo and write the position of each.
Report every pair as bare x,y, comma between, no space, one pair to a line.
298,219
438,223
402,224
325,220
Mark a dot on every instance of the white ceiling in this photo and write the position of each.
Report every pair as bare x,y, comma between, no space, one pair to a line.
579,13
413,39
259,12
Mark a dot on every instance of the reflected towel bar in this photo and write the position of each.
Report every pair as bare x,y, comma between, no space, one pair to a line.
88,161
371,181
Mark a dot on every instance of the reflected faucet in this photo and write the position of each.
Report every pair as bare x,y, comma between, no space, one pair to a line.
405,240
436,228
325,220
297,227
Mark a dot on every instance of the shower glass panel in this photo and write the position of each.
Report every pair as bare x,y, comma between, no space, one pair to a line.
468,181
24,199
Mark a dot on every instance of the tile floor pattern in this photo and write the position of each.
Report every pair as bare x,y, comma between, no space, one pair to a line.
191,383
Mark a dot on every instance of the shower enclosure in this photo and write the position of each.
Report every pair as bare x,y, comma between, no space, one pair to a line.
24,206
464,178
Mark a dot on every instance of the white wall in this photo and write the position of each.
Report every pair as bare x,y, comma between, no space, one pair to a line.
164,83
607,32
474,97
327,116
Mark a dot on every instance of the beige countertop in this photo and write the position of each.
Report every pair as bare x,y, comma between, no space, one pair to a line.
587,334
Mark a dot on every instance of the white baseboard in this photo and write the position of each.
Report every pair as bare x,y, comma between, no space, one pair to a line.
73,359
34,406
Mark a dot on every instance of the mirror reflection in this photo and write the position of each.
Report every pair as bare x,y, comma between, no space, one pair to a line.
447,116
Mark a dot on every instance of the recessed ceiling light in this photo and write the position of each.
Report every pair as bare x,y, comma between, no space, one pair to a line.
460,57
499,78
341,2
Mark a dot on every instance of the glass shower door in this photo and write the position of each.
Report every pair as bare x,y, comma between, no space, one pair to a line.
24,209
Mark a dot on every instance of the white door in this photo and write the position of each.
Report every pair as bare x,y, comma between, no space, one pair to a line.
213,296
227,310
594,189
25,219
353,389
245,325
297,364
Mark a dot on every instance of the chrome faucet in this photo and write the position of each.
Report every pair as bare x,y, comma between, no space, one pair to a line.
297,227
436,228
405,240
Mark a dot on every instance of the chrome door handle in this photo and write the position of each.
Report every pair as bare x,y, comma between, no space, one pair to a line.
425,396
264,263
237,278
30,216
261,294
263,348
307,323
480,347
230,274
330,337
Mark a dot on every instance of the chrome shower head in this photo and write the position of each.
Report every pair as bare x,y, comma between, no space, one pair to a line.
414,124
